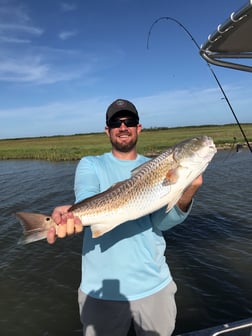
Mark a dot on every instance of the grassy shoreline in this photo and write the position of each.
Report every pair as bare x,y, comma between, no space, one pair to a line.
151,142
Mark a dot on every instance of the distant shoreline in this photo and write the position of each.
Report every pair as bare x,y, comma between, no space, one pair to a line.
151,142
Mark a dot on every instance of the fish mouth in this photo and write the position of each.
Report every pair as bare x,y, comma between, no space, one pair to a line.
209,141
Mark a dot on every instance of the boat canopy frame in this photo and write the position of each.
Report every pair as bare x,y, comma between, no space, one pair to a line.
231,40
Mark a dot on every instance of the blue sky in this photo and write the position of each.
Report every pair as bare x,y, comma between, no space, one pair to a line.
63,62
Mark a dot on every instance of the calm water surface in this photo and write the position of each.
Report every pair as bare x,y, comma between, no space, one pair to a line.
210,254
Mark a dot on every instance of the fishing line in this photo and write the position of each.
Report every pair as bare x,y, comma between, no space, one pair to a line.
209,66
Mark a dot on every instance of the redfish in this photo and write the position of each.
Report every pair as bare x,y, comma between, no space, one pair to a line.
157,183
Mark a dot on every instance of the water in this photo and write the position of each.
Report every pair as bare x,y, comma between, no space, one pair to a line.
210,254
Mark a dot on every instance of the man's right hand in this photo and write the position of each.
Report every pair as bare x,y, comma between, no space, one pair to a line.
68,224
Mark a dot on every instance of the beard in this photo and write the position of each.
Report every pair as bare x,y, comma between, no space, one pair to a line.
124,147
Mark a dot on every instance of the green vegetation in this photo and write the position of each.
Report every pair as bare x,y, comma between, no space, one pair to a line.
151,141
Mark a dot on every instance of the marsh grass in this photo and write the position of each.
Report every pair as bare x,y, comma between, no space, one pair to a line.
151,142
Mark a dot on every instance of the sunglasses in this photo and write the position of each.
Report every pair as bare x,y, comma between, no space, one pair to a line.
127,122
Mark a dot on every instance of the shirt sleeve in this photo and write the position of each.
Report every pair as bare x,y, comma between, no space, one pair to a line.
86,183
163,220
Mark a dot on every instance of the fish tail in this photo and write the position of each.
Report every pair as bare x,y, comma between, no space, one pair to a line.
35,226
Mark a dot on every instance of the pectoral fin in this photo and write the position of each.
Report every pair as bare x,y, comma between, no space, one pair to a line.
172,176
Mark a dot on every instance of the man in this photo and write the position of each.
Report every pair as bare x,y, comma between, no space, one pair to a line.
125,278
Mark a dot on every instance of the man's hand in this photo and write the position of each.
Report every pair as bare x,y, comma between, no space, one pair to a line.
186,199
67,223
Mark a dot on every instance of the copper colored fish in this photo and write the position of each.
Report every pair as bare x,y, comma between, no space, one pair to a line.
157,183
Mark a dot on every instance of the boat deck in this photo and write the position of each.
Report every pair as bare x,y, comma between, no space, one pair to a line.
239,328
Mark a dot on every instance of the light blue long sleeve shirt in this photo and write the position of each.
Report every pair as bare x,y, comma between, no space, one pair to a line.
128,262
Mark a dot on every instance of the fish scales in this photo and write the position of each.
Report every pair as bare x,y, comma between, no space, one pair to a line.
134,195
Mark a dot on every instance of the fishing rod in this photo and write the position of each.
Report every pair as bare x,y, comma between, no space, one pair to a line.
209,66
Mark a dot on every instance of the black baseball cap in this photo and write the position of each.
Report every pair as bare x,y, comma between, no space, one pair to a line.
120,107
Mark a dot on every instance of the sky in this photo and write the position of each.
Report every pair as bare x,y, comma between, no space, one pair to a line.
63,62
